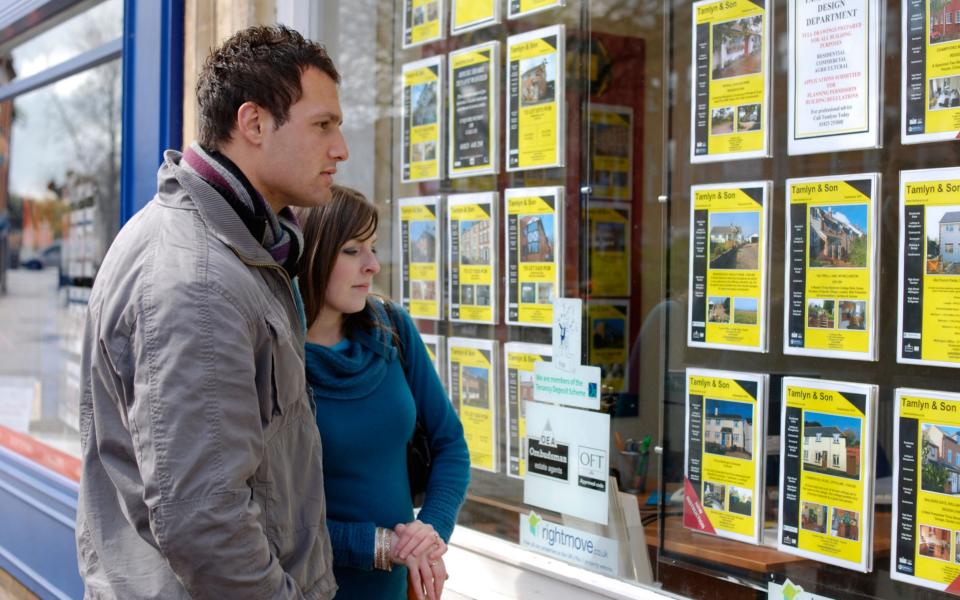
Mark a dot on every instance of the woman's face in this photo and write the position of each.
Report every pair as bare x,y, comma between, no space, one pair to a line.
351,276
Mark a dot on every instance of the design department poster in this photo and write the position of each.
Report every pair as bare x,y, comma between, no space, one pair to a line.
928,330
473,390
609,343
535,99
518,360
472,227
610,249
831,274
468,15
422,22
826,471
731,53
522,8
568,464
729,247
725,453
611,152
534,247
925,534
420,256
474,130
421,121
834,83
930,109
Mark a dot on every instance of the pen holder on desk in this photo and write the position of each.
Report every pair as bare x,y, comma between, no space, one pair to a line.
629,462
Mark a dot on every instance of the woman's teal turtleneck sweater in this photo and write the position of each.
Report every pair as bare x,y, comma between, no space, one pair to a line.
367,402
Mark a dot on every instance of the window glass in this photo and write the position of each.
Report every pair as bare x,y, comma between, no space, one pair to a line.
85,31
62,206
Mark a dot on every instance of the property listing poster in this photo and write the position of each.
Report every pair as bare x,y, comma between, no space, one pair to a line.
729,246
834,82
435,350
535,99
831,274
930,63
826,471
568,461
725,453
611,152
472,228
610,249
730,116
926,491
468,15
422,22
928,330
420,256
522,8
518,360
472,379
421,121
534,250
474,129
609,346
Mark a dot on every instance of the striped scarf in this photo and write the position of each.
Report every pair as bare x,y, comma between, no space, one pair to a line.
279,234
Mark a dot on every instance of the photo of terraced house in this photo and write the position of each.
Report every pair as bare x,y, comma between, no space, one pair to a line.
838,236
831,444
475,242
728,428
940,467
943,240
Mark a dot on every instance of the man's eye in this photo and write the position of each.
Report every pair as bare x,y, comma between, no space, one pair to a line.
324,124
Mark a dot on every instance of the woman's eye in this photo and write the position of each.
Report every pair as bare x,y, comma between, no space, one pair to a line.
373,249
350,251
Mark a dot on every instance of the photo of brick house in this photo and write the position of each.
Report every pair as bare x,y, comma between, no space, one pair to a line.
474,387
940,466
536,238
944,20
423,244
475,242
837,236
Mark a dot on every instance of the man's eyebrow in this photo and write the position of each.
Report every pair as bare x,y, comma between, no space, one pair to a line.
332,116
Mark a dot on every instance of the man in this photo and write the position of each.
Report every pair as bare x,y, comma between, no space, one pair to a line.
202,469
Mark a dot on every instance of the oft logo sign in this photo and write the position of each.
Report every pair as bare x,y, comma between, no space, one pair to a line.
592,468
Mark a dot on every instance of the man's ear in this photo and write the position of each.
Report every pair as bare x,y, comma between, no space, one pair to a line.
251,122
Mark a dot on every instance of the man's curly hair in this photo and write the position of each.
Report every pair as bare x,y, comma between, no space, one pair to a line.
259,64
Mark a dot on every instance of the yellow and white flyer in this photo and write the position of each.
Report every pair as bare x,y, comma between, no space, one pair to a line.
928,327
830,280
834,80
925,525
730,111
435,350
609,226
522,8
472,378
467,15
827,453
420,256
930,67
609,325
472,276
729,250
518,361
535,99
421,123
611,152
422,22
725,453
534,253
474,100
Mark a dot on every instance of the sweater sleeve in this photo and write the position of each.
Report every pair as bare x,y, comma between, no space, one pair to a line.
450,467
353,544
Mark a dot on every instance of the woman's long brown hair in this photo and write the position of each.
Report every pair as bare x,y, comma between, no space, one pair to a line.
326,229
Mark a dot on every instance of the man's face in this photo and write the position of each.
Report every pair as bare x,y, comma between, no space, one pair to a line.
298,160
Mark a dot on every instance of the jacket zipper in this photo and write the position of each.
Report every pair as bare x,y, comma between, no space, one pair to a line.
286,278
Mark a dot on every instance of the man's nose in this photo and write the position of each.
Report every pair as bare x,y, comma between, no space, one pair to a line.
339,150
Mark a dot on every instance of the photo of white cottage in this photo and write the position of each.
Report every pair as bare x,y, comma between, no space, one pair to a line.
831,444
728,428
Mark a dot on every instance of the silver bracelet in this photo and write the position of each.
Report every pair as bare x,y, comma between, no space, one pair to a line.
381,554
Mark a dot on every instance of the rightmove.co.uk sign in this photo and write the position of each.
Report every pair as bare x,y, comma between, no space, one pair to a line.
580,548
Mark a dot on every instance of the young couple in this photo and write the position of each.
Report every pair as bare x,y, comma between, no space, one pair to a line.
241,439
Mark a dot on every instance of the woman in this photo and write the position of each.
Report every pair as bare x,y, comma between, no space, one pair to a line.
371,376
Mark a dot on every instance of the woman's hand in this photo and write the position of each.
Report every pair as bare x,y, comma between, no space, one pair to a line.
427,576
417,538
